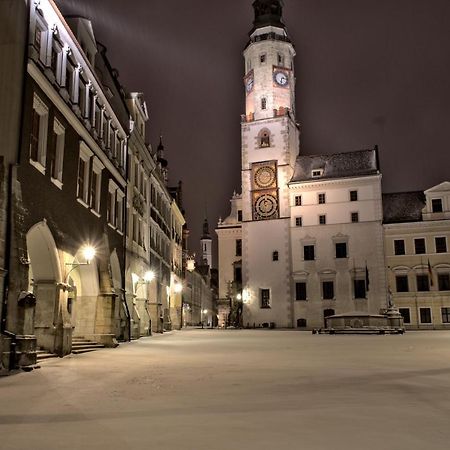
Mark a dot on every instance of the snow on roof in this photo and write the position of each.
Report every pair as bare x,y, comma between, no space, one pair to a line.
403,207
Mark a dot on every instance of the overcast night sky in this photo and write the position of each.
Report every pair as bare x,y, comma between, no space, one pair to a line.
368,72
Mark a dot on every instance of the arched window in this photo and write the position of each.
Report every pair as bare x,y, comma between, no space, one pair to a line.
301,323
264,103
264,138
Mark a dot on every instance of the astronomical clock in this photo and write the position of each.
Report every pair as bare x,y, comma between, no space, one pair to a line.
265,190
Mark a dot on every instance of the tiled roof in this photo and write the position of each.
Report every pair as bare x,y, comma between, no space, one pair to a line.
403,207
338,165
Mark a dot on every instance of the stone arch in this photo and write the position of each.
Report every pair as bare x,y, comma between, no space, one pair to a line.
46,273
43,253
264,138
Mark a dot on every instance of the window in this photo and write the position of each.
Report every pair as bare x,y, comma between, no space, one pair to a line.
298,221
298,200
445,313
300,291
441,244
317,173
405,313
280,59
238,247
425,315
321,199
38,137
322,219
308,252
444,281
328,312
56,152
328,290
353,196
55,62
355,217
401,283
239,215
399,246
238,274
419,246
262,58
263,103
96,178
341,250
436,205
265,298
111,206
83,173
301,323
359,288
423,283
264,138
275,256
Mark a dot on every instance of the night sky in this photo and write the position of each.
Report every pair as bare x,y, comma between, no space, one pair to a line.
368,72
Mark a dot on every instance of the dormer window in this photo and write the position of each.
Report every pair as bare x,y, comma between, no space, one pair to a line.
317,173
436,205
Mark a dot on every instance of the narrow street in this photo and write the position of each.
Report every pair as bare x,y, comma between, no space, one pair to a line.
215,389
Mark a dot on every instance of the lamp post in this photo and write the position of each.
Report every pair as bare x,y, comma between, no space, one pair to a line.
89,253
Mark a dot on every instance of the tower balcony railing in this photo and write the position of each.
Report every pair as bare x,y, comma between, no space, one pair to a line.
272,36
281,111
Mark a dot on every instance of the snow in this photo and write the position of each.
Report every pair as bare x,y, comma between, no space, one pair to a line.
229,389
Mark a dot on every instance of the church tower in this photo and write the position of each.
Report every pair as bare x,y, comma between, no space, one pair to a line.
206,244
270,144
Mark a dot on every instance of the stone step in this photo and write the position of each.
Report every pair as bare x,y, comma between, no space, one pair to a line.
88,345
84,350
41,355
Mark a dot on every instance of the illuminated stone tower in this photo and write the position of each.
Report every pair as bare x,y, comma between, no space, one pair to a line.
270,143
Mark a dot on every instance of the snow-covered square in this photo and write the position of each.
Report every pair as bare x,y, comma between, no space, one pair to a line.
240,390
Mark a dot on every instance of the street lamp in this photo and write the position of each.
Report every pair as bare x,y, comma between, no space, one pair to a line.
178,287
88,253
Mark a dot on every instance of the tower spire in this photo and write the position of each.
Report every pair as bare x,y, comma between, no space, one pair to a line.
268,13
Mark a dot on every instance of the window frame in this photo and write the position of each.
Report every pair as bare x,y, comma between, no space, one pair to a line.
324,290
416,240
301,294
424,308
42,110
265,301
354,193
306,252
439,249
401,253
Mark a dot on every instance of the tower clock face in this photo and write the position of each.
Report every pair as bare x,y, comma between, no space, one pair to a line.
249,84
265,177
281,78
266,206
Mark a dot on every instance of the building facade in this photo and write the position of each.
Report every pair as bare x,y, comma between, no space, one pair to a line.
90,235
306,238
417,236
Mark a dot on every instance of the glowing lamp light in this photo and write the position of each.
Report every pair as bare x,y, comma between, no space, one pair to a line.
239,297
178,288
205,311
190,264
89,253
149,276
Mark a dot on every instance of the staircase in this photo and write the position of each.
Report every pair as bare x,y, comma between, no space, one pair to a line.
82,345
42,355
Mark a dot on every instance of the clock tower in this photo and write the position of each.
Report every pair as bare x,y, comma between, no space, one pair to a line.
270,144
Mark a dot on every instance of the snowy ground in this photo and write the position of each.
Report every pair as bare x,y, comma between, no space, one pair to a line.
239,390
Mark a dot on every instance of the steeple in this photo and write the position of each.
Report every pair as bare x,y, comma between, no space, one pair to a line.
206,234
206,244
268,13
162,160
